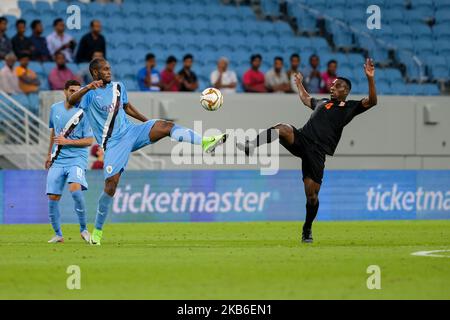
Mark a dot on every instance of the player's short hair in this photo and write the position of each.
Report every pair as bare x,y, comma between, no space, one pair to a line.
24,55
20,21
56,21
347,81
313,56
95,65
171,59
188,56
278,59
34,23
331,61
70,83
149,56
255,56
295,55
94,21
59,53
3,19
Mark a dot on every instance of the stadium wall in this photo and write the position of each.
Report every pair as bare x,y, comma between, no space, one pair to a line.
219,195
401,132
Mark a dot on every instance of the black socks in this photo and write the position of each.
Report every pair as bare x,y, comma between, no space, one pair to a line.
311,213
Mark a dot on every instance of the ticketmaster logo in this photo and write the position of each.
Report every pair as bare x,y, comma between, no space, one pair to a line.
146,201
379,198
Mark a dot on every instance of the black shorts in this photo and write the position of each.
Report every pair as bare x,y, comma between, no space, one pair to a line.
313,157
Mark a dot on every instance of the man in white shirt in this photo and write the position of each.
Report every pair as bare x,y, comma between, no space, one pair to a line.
224,79
9,82
58,40
276,78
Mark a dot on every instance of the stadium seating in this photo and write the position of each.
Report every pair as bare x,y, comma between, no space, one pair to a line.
210,29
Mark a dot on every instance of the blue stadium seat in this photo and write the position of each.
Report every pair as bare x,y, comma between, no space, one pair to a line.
25,5
47,67
399,88
320,44
270,7
404,44
393,16
343,40
440,72
383,87
393,75
43,6
443,16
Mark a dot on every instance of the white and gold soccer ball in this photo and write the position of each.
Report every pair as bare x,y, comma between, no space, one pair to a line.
211,99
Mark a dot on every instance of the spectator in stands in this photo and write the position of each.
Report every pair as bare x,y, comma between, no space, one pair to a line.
9,82
98,153
59,41
222,78
40,49
28,83
91,42
60,74
295,66
188,78
20,43
276,78
170,81
85,74
253,79
148,77
329,76
5,43
313,78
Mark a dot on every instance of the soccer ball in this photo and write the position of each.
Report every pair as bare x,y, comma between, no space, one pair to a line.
211,99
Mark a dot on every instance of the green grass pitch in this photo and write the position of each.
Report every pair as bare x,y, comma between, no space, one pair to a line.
262,260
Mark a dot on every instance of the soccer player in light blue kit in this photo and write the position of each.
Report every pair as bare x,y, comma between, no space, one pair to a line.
106,105
67,160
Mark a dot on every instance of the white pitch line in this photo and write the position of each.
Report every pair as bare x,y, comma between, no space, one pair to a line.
431,253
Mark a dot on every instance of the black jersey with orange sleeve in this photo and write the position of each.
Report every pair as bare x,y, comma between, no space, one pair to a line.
328,121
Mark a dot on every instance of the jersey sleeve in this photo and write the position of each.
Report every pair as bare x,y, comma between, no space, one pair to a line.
313,103
124,93
51,125
358,107
86,100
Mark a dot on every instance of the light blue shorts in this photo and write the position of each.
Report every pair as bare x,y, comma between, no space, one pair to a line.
57,178
118,151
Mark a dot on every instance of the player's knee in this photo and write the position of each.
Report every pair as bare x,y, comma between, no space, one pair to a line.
165,127
54,197
283,129
110,188
312,198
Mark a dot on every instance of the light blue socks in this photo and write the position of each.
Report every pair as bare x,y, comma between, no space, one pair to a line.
104,204
54,215
80,208
182,134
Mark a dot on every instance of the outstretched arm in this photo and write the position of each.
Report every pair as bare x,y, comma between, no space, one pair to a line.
134,113
369,70
304,96
82,143
76,97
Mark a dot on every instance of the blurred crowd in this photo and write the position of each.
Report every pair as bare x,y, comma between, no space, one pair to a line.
19,80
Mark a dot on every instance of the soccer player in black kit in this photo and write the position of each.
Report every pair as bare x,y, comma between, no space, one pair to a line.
319,136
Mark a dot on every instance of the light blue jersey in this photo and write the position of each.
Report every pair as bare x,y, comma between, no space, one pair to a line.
69,121
104,108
